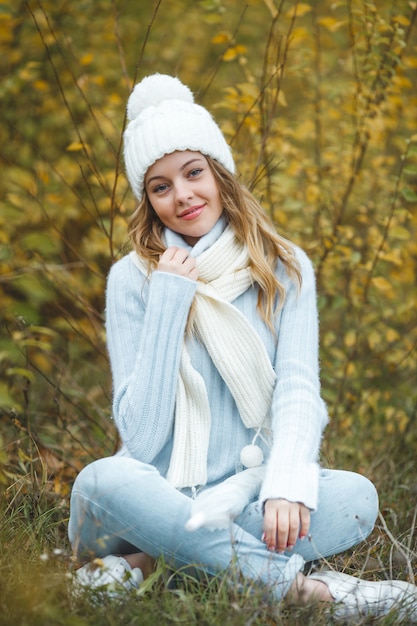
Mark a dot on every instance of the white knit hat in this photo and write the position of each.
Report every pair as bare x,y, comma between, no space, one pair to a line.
163,118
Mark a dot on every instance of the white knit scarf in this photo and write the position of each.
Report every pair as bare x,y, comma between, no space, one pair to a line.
236,350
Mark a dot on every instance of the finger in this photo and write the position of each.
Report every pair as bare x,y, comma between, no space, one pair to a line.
294,526
189,262
168,254
180,255
176,261
283,532
270,526
305,522
187,266
193,275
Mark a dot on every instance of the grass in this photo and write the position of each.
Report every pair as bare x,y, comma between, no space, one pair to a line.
36,565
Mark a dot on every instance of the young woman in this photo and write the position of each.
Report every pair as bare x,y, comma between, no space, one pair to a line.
213,340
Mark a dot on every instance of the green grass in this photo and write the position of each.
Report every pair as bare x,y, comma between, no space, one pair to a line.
36,565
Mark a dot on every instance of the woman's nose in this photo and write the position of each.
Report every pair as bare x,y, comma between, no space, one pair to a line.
183,192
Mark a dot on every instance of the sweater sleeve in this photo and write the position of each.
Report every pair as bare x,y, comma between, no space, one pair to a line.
145,324
298,413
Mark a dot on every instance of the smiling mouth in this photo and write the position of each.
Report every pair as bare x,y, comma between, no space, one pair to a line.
192,211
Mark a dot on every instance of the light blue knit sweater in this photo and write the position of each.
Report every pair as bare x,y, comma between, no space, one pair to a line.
145,323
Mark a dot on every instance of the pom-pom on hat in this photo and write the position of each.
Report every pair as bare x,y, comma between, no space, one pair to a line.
164,118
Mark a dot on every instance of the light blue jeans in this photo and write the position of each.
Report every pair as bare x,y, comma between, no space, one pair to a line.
120,505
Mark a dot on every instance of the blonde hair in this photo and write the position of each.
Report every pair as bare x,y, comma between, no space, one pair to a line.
251,226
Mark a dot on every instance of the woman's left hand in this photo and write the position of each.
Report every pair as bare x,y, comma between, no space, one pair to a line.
284,523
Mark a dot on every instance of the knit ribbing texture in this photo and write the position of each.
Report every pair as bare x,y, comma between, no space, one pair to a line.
237,352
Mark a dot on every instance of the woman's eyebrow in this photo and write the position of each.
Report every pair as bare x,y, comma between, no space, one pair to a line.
157,177
189,162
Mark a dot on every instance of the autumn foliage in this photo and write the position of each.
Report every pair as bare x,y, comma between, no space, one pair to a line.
318,100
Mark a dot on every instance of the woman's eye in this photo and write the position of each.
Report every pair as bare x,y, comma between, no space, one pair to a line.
195,172
160,188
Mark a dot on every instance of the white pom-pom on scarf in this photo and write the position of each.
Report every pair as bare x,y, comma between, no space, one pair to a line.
218,506
251,456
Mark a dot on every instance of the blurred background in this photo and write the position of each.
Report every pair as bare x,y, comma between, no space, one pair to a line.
319,102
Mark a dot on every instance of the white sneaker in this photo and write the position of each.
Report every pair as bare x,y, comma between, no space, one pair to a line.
111,576
355,597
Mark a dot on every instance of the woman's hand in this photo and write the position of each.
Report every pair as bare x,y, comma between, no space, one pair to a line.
284,523
176,261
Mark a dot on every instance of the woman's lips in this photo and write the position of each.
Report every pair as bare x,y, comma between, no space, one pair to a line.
192,212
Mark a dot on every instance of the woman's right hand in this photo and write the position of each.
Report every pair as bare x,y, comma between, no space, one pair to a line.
284,523
176,261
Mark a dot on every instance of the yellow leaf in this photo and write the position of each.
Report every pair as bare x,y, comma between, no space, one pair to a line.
374,339
405,275
281,98
392,257
402,81
40,85
410,62
115,99
350,338
43,330
346,423
6,28
21,371
212,18
331,23
300,34
351,369
221,38
87,59
60,487
381,283
75,146
401,19
241,49
98,80
23,456
230,54
301,9
392,335
399,232
16,199
312,193
41,361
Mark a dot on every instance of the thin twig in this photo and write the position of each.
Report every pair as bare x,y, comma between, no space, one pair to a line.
399,546
113,205
208,82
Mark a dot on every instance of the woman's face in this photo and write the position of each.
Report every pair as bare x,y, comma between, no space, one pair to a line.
183,193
